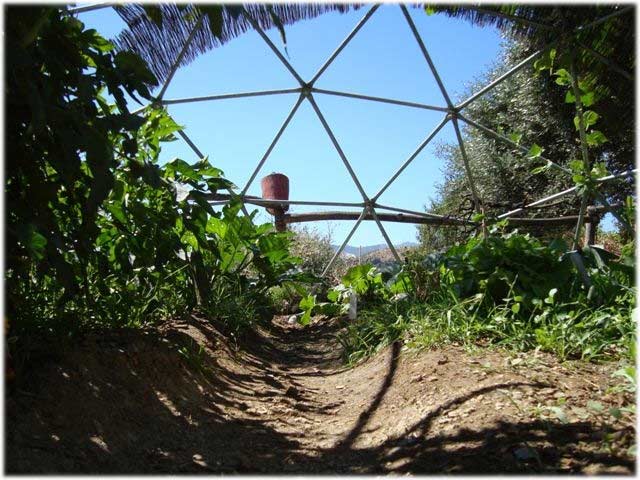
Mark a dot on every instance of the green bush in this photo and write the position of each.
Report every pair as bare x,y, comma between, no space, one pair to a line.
507,289
316,250
100,234
284,299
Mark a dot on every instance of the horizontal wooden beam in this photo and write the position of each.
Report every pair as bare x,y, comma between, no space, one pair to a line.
383,217
402,218
395,217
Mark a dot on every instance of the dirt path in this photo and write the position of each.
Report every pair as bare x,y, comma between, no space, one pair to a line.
181,400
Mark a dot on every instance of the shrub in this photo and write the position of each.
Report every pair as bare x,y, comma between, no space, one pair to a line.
316,250
506,289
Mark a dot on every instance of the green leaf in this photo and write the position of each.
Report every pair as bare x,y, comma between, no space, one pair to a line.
541,169
545,62
478,217
599,170
588,99
515,137
576,122
515,308
183,168
615,413
569,97
34,241
115,209
308,302
576,166
535,151
429,10
596,138
131,64
563,77
590,118
188,238
305,319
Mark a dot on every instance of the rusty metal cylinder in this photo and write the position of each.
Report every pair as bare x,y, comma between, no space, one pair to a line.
276,187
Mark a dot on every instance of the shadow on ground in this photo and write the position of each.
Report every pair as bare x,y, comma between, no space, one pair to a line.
182,401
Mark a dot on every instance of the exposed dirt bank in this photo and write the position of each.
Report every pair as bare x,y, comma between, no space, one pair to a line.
132,402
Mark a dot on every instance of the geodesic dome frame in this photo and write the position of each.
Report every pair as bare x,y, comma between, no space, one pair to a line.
451,113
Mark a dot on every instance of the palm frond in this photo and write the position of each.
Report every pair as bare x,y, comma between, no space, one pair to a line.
159,35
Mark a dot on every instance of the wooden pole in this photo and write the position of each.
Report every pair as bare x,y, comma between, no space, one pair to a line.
402,218
591,225
279,220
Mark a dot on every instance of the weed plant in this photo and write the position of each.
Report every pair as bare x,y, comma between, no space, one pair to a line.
507,289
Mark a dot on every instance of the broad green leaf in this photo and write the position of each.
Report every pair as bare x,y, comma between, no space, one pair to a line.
596,138
563,77
576,165
535,151
116,210
590,118
34,241
588,99
599,170
569,97
515,137
188,238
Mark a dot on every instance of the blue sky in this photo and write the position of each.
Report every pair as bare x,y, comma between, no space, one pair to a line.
382,60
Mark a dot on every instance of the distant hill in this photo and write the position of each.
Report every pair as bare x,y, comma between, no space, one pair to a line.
350,250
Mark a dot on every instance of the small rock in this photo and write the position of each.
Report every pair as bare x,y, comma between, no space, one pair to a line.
292,392
433,379
399,296
525,453
443,360
292,319
409,441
